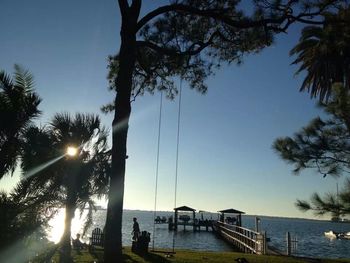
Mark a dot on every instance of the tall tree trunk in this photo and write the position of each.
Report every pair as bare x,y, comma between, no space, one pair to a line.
66,248
127,57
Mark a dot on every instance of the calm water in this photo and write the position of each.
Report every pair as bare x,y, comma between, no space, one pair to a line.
309,233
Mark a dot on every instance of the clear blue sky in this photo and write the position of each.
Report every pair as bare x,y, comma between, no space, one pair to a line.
225,160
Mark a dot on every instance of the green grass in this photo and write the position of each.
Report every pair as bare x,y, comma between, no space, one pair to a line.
184,256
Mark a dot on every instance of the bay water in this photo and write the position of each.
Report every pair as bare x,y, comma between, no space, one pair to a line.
311,241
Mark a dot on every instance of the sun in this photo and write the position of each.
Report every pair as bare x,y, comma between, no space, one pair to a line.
71,151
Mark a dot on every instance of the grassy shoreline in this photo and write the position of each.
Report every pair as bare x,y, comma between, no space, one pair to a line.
188,256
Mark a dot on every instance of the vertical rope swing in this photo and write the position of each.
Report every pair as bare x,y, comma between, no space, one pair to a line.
157,164
177,142
177,152
157,167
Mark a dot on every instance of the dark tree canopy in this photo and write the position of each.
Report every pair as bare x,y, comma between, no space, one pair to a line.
18,107
189,39
323,53
185,39
323,145
23,219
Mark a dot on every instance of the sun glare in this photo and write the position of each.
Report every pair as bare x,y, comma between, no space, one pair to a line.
72,151
56,229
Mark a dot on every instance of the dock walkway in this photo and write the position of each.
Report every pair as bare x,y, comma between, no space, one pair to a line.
244,239
196,225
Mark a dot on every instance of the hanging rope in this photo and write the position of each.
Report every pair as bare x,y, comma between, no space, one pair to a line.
176,162
177,151
178,142
157,167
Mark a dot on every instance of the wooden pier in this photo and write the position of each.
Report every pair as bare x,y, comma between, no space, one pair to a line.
196,225
228,227
246,240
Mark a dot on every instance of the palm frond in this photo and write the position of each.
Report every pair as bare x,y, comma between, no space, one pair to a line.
5,81
322,53
18,107
23,79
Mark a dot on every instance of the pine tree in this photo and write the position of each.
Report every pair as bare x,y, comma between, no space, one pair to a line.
187,39
323,145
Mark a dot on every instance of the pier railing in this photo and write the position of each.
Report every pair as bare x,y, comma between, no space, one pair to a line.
244,239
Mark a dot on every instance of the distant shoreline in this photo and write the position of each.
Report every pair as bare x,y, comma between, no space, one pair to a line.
261,216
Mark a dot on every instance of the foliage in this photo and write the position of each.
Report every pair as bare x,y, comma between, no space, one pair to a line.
18,219
334,204
184,39
189,39
62,181
22,223
323,145
18,107
323,52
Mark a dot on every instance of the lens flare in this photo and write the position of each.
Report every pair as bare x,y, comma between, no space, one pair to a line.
41,167
72,151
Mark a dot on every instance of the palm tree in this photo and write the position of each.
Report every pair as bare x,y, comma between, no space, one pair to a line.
18,107
23,219
75,180
324,53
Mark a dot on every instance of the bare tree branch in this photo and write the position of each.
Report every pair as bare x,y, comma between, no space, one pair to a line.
287,17
193,50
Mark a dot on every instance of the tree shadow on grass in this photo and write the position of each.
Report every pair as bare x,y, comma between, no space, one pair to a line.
65,258
153,257
127,258
46,256
97,253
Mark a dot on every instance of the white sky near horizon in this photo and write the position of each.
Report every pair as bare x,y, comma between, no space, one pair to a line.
225,154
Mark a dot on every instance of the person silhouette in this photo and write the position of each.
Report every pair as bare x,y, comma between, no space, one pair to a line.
135,229
77,244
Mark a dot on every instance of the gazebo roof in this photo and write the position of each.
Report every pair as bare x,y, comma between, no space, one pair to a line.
184,208
231,211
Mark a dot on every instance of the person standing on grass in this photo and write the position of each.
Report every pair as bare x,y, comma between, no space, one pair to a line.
135,229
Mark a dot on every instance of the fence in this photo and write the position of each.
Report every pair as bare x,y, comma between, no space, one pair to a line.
244,239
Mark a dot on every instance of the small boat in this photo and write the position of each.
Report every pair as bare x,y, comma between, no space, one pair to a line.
335,235
160,220
344,235
185,218
337,219
331,234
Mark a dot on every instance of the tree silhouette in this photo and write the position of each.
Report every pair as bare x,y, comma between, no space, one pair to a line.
188,39
23,219
72,181
323,53
18,107
334,204
323,145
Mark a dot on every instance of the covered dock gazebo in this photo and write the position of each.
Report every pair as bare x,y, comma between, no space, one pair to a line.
183,209
231,211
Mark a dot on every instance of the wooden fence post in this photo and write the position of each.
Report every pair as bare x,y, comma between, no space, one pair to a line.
289,247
